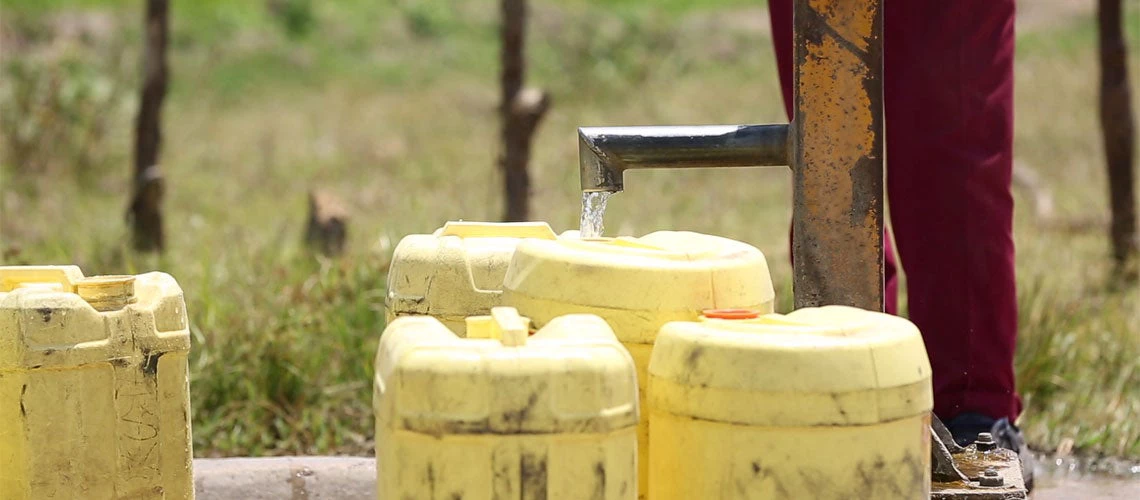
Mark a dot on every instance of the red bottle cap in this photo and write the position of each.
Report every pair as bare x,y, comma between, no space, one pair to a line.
731,313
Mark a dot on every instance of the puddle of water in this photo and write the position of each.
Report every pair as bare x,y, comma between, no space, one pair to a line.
593,214
1086,489
1074,468
1093,479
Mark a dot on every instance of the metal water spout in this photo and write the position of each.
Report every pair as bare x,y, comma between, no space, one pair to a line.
605,153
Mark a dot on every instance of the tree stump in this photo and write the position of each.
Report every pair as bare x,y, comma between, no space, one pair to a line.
327,227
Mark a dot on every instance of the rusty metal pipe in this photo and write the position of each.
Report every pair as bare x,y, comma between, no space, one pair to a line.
838,154
605,153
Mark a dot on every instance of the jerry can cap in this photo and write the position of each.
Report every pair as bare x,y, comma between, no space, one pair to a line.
731,313
107,293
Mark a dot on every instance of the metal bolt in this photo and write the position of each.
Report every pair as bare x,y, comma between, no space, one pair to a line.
991,478
985,442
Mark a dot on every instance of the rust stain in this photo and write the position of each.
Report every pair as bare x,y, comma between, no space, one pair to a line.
839,110
852,21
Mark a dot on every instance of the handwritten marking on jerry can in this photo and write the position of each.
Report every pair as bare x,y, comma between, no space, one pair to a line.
455,272
637,285
502,414
94,392
828,402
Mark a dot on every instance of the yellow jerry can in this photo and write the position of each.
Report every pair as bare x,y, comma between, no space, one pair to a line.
637,285
828,402
455,272
94,388
500,415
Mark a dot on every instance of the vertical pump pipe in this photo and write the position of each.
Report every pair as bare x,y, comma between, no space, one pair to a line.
837,154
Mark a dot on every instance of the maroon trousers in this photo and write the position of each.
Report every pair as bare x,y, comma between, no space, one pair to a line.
948,92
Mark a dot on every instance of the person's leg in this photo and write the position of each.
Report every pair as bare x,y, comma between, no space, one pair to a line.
948,87
949,116
780,17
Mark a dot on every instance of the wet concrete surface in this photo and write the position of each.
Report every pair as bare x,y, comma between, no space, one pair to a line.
1071,478
1087,489
352,478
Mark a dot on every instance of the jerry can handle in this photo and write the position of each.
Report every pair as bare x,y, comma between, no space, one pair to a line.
536,230
503,324
13,277
513,329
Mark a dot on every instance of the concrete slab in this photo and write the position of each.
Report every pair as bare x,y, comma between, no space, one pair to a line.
354,478
288,478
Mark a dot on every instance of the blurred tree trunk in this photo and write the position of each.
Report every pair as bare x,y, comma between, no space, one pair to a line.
520,111
1117,127
144,214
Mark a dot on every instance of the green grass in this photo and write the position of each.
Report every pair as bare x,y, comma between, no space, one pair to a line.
391,105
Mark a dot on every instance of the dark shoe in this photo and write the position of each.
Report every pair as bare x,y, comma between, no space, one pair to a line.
966,427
